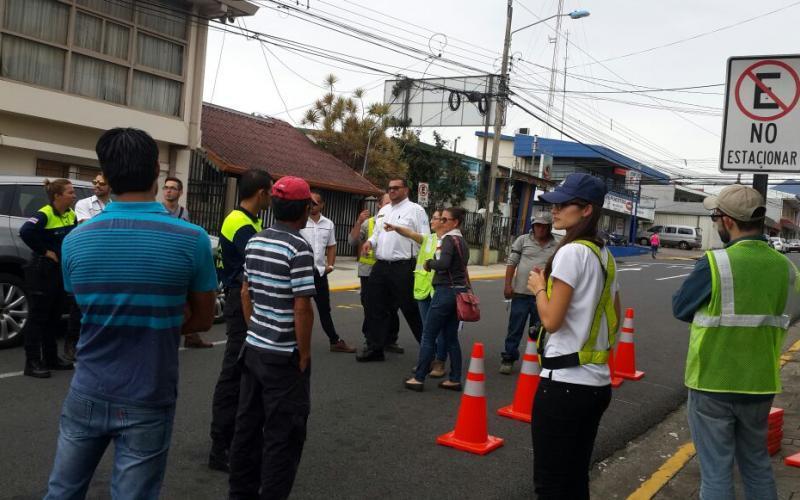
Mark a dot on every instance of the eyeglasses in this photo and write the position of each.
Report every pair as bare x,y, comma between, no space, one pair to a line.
561,206
98,183
445,219
394,188
435,218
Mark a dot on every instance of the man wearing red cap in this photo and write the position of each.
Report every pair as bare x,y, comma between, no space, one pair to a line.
274,394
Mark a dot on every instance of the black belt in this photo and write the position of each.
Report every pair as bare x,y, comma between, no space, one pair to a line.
556,362
393,262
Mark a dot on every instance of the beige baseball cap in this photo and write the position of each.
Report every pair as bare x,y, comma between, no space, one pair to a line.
739,202
542,218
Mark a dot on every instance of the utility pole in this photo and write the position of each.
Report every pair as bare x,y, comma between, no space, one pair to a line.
554,67
498,126
564,90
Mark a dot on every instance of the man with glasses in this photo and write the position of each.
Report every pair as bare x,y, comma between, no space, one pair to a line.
320,233
736,301
87,208
391,283
173,190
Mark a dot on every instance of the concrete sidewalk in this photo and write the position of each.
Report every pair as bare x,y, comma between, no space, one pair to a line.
662,463
345,276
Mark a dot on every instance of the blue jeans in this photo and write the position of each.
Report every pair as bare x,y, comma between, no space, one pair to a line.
441,348
141,441
523,310
441,320
726,429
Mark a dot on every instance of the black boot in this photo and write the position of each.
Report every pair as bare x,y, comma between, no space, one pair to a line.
36,368
59,364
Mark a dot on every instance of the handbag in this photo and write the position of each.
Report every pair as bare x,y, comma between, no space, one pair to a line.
467,303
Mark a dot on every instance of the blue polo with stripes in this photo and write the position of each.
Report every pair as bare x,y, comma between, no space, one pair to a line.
278,266
131,268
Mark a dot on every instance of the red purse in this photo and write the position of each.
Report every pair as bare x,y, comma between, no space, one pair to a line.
467,303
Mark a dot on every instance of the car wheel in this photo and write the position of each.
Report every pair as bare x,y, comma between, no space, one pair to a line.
644,242
683,245
13,310
219,305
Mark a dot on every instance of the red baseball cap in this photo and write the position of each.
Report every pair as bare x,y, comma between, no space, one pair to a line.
291,188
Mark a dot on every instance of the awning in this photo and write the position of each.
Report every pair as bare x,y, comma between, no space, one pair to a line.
788,224
770,223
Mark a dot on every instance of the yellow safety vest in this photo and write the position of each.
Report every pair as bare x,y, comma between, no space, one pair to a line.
232,223
423,280
369,258
55,221
589,353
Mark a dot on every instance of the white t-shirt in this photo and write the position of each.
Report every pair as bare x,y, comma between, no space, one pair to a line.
577,266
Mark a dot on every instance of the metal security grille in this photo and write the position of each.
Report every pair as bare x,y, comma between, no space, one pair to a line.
205,199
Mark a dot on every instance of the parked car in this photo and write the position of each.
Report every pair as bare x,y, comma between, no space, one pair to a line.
683,237
20,198
793,246
778,244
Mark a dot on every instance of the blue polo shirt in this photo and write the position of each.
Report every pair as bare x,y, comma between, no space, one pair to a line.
131,268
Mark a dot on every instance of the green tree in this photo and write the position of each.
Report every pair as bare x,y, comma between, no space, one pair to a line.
348,129
447,178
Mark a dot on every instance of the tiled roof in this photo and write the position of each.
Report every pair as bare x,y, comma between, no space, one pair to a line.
237,141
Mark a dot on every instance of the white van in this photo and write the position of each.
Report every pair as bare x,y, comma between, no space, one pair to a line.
683,237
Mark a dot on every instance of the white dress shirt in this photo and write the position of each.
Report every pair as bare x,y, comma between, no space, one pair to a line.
391,246
87,208
319,235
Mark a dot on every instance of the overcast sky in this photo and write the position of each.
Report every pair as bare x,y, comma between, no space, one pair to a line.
237,75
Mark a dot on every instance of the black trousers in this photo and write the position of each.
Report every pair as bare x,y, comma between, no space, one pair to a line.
46,295
391,286
226,393
394,320
564,426
323,301
270,426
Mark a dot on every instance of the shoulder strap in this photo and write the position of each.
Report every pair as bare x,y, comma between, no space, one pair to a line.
457,244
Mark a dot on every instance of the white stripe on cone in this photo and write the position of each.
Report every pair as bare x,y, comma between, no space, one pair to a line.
626,337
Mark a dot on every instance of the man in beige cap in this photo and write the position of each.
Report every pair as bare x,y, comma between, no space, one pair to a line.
735,300
527,252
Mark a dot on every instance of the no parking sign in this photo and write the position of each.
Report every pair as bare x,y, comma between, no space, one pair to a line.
761,128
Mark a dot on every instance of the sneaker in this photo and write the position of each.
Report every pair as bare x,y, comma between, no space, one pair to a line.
341,346
506,367
368,355
437,369
394,348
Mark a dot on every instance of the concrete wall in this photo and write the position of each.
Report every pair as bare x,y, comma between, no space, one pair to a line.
506,158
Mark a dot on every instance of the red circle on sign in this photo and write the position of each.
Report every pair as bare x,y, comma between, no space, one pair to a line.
785,108
628,205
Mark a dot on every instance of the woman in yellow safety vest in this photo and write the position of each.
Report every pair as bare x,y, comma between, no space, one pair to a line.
577,299
44,233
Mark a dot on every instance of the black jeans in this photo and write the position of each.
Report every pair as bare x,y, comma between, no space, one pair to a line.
270,426
391,286
394,320
226,393
565,422
47,296
323,301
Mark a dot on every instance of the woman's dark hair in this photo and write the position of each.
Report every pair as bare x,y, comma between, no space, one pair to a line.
458,214
288,210
586,229
251,181
54,187
129,160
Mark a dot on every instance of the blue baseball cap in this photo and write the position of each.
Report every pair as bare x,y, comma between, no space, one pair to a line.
583,186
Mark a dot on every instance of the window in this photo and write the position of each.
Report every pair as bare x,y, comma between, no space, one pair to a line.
6,195
29,200
654,229
683,230
669,230
97,60
61,170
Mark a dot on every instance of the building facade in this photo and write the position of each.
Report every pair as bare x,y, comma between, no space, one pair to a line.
71,69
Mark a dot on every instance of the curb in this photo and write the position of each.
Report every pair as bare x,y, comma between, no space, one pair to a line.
356,286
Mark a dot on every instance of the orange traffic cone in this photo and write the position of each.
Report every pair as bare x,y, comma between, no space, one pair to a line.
793,460
616,381
626,352
527,383
471,432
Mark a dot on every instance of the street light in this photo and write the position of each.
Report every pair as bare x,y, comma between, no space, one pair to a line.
498,119
575,14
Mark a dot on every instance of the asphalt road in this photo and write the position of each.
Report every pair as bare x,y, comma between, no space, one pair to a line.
368,436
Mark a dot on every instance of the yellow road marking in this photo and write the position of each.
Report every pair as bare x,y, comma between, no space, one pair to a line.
677,461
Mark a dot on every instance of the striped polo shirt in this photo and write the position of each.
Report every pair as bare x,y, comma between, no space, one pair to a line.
278,266
131,268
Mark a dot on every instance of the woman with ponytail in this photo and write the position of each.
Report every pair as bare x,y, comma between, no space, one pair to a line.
578,303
